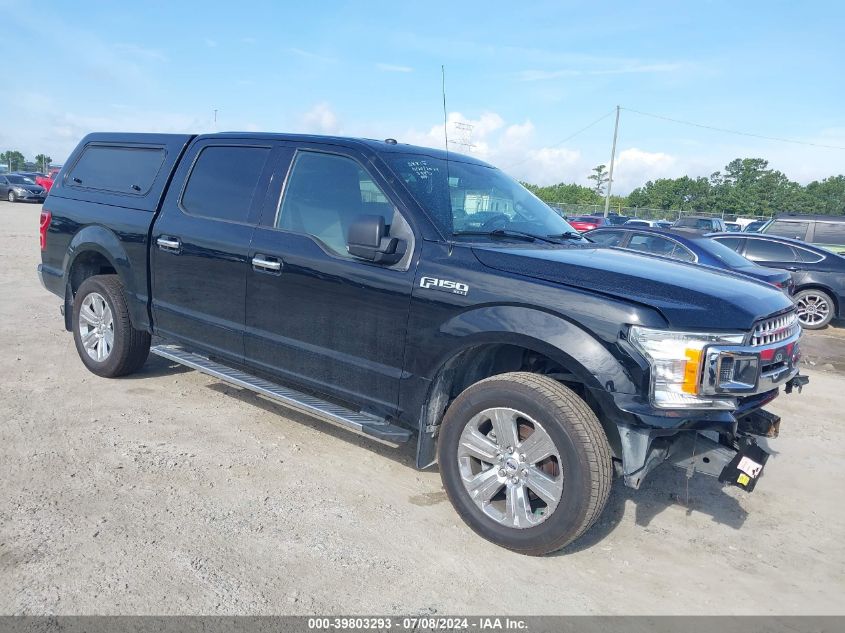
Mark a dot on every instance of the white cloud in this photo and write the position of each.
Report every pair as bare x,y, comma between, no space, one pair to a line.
634,167
518,150
393,68
320,119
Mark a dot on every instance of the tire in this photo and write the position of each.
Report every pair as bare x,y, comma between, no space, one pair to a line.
583,472
105,340
816,308
11,197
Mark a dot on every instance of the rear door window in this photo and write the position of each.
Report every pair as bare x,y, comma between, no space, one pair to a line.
769,251
808,257
651,244
785,228
733,243
223,180
607,238
829,233
117,169
682,253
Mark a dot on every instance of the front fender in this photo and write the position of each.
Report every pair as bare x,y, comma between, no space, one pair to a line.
575,348
584,355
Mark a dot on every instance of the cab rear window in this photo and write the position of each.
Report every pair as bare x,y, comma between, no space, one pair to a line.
117,169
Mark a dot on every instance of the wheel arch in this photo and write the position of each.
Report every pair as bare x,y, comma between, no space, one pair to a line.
96,250
555,347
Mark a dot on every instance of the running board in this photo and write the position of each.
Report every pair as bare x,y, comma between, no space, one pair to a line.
355,421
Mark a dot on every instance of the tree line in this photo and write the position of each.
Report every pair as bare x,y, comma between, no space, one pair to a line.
14,160
746,187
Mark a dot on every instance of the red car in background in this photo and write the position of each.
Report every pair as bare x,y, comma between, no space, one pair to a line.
44,181
47,181
583,223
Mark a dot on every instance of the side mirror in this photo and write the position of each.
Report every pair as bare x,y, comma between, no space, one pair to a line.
367,239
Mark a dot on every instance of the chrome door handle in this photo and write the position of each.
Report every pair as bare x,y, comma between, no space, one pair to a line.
169,243
269,265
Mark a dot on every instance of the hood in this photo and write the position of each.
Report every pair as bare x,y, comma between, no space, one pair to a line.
687,295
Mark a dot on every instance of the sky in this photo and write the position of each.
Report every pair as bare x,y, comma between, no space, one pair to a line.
521,78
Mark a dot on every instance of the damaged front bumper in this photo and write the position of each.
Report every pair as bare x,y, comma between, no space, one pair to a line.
723,445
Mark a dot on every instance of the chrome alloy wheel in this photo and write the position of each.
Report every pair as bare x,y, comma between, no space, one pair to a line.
96,327
812,308
510,467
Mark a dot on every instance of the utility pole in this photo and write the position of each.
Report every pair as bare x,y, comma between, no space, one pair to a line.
612,160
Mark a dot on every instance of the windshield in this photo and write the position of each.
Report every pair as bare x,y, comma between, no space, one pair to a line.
467,198
724,254
20,180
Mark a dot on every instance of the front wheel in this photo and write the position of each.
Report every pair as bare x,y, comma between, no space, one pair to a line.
815,308
11,197
106,341
525,462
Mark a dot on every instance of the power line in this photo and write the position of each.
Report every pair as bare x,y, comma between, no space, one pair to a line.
727,131
571,136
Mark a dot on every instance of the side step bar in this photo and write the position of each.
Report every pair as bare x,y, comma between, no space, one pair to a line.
355,421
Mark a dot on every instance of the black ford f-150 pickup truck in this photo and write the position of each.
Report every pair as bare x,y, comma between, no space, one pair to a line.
402,292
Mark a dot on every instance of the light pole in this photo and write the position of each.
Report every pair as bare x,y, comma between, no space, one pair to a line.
612,161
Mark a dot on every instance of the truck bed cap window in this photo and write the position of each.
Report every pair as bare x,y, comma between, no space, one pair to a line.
117,169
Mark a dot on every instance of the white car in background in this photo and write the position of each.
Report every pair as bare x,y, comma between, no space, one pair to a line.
639,222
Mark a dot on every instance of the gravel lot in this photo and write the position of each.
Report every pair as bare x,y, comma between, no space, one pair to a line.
171,493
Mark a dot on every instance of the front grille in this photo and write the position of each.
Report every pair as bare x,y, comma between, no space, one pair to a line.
776,329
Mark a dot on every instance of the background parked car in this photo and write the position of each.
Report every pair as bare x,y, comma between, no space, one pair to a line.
45,181
733,227
662,224
818,274
615,219
700,224
826,231
755,226
639,222
583,223
689,247
14,187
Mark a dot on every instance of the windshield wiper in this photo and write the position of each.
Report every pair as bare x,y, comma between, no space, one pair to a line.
529,237
569,235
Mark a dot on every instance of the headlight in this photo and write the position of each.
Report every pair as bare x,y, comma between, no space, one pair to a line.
676,364
19,190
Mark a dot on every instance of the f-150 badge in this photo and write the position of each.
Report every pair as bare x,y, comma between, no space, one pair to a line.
446,285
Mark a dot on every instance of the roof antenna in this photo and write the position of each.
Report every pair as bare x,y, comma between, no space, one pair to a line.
446,138
445,127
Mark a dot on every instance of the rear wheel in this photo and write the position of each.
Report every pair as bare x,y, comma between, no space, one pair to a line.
525,462
106,341
815,308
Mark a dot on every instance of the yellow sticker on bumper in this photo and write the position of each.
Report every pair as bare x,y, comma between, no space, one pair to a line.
743,479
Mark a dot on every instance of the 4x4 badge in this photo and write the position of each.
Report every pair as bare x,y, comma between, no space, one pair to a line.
446,285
